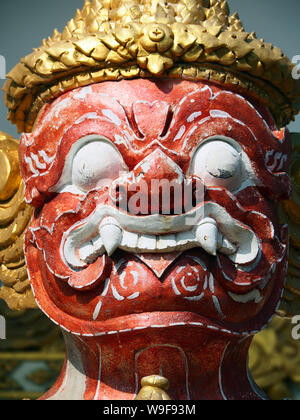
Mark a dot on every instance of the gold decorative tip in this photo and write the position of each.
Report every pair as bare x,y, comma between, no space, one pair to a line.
155,380
154,387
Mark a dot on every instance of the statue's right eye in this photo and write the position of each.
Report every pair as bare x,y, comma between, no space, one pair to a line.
97,164
92,163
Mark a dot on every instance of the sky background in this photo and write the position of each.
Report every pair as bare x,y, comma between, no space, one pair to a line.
23,24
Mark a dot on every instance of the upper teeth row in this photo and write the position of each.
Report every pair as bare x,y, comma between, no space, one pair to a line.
208,226
112,236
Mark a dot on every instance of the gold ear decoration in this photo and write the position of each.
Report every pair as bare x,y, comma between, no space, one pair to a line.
290,213
15,216
125,39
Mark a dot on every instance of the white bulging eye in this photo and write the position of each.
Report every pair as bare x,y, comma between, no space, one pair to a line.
218,164
96,164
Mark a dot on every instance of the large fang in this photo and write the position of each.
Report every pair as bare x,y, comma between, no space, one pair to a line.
111,234
207,236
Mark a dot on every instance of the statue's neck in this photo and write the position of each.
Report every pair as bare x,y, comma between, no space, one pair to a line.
199,365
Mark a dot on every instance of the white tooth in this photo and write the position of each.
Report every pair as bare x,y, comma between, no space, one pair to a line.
166,242
147,242
85,251
98,244
111,234
225,246
207,236
88,253
248,249
184,238
130,240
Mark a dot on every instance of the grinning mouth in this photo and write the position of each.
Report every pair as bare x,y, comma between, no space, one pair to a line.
208,226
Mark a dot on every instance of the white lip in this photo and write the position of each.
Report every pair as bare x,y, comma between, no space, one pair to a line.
208,226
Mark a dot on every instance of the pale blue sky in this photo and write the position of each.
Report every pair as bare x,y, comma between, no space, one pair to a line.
23,24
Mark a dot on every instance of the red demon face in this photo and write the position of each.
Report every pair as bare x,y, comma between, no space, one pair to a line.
156,206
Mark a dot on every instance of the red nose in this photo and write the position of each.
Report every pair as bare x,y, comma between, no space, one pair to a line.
157,185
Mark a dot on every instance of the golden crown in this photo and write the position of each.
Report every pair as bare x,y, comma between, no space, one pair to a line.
125,39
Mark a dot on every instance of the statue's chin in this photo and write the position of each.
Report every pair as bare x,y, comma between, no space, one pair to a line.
190,292
161,321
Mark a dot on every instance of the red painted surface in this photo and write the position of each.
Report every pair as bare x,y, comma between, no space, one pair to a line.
199,344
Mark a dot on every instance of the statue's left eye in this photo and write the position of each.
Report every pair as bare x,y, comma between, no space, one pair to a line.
218,163
96,164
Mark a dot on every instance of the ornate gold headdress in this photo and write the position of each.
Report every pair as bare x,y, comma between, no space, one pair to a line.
188,39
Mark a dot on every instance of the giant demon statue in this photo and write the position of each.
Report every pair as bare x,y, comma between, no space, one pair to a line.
154,153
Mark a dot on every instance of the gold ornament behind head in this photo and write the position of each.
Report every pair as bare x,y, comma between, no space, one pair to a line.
15,216
124,39
289,213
